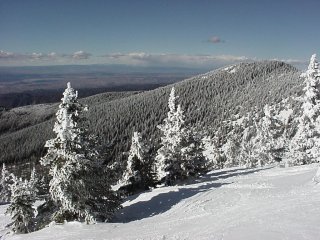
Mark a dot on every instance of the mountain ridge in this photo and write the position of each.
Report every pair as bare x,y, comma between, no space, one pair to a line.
207,99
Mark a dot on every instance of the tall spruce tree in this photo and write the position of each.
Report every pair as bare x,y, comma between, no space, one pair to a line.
305,145
168,158
34,181
138,174
263,140
212,152
181,151
209,152
132,174
193,161
247,154
231,150
21,206
78,186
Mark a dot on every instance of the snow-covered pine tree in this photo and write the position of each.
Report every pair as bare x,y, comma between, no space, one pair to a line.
135,161
211,152
247,156
264,139
77,187
138,174
34,178
193,162
21,206
231,150
276,125
5,181
168,159
304,147
34,182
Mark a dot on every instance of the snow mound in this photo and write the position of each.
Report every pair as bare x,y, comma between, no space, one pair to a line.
250,186
231,69
229,204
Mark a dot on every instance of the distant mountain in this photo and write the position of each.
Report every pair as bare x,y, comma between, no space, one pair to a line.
207,100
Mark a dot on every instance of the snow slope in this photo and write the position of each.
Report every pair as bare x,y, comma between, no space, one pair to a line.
250,204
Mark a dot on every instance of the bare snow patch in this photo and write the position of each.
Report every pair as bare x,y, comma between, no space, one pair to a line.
284,115
231,69
249,186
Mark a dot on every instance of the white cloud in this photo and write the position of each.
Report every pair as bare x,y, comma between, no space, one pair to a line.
52,54
38,56
25,58
290,61
132,58
79,55
6,55
141,58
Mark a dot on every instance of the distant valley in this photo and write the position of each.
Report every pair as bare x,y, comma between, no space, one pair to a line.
21,86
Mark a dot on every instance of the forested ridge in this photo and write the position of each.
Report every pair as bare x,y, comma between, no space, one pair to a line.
207,100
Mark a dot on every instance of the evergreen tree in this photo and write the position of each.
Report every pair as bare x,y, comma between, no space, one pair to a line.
135,160
248,157
21,206
138,174
5,192
247,154
34,181
212,152
305,145
78,186
231,151
193,162
274,132
43,186
264,140
168,158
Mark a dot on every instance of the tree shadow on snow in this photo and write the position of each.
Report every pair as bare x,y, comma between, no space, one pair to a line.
164,201
160,203
223,174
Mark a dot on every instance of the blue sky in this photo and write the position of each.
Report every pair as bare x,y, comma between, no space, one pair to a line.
192,33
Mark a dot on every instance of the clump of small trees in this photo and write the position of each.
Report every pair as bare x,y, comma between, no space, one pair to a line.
178,158
287,132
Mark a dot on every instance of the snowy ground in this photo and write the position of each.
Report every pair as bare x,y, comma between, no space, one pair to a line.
248,204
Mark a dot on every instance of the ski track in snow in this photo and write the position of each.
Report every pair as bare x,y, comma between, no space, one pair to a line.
237,203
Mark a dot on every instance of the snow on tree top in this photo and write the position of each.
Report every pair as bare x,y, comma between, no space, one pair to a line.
313,62
172,99
313,68
69,95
